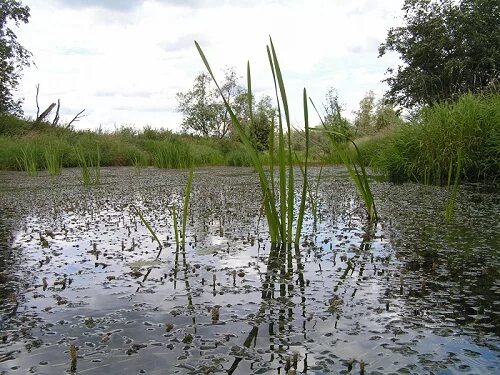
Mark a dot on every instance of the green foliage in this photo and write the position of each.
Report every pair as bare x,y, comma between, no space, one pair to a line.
13,56
354,167
130,147
372,116
448,48
263,121
462,137
172,154
333,118
204,112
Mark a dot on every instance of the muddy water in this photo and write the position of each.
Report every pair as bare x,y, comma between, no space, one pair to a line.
86,290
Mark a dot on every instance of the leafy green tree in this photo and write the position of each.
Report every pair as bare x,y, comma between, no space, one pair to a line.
263,121
364,121
199,107
333,116
385,116
448,47
203,109
13,56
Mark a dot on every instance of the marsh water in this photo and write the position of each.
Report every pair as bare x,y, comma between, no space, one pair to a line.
84,288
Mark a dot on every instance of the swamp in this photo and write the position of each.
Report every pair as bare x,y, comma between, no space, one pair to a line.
86,288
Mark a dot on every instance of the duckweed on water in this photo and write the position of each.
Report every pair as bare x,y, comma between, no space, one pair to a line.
408,294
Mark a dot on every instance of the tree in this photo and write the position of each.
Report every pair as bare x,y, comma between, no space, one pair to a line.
203,109
13,56
333,116
199,107
263,121
448,48
364,121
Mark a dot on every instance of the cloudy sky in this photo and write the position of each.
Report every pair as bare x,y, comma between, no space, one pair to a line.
123,61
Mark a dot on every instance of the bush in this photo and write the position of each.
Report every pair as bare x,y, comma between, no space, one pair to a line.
425,151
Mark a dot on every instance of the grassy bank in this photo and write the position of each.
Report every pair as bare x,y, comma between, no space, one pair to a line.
449,138
25,146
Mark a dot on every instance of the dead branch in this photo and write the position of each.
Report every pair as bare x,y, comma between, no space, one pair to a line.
76,118
56,117
45,113
37,106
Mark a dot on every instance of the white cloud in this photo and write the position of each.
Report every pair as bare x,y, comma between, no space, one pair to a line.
124,61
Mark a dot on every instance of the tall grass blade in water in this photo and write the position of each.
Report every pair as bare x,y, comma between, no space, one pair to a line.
27,161
91,171
53,160
356,170
278,206
187,196
146,224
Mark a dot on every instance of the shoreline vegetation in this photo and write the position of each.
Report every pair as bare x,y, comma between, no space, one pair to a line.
449,141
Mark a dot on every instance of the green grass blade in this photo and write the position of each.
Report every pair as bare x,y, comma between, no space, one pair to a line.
139,213
187,195
303,196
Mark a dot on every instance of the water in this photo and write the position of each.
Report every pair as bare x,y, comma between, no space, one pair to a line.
410,294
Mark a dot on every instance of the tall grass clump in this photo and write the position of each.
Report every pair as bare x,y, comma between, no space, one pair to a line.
27,160
89,167
461,138
53,160
279,195
172,154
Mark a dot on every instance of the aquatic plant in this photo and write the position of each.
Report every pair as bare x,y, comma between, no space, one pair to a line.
53,160
146,224
356,169
172,154
278,196
27,161
90,169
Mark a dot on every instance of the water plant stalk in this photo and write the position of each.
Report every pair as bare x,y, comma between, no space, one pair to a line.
146,224
356,170
278,205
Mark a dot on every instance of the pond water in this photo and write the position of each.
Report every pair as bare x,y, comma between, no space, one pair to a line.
84,289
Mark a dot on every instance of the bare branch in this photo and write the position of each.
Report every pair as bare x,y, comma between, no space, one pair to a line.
56,117
45,113
76,118
37,106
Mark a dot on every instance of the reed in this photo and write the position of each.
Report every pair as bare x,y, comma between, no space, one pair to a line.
90,169
278,196
53,160
355,168
185,206
146,224
27,161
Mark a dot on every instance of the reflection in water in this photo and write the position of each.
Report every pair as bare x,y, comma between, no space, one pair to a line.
408,295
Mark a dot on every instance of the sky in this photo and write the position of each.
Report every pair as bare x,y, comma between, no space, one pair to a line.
123,61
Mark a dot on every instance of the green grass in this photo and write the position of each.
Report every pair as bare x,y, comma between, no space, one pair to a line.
125,147
53,159
27,161
90,166
180,240
427,149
